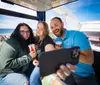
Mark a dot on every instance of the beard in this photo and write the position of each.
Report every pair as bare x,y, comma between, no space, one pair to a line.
61,32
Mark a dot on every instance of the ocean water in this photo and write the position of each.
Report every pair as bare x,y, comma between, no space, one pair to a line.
7,30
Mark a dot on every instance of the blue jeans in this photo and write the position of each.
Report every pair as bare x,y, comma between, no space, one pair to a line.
35,77
14,79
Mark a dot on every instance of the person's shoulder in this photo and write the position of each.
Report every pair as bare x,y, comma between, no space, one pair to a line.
77,33
47,38
13,42
73,31
80,34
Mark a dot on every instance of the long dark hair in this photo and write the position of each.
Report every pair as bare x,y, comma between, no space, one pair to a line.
23,43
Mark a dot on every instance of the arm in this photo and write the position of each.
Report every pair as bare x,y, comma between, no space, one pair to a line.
9,57
49,47
86,54
49,44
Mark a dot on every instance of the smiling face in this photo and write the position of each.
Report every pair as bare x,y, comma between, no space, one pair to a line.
57,27
25,32
40,30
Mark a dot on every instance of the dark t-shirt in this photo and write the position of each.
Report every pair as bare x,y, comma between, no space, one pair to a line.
47,40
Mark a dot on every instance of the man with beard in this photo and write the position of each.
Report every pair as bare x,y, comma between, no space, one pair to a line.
83,72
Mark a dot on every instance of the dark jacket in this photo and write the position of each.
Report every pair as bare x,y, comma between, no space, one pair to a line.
13,58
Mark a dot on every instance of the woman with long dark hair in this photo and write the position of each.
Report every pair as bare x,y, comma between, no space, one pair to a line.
15,57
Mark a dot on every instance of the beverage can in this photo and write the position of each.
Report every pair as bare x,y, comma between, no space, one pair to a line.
31,47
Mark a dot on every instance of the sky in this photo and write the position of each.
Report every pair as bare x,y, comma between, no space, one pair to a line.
85,10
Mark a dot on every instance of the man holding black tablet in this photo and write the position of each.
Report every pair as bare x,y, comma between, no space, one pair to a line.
83,73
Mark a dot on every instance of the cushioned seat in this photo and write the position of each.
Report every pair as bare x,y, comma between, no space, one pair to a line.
96,64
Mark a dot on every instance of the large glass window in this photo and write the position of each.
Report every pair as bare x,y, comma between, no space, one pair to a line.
9,23
17,8
82,15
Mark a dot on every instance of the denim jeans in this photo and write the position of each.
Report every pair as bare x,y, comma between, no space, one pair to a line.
14,79
35,77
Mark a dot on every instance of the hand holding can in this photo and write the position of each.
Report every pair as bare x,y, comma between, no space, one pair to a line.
31,47
58,44
32,50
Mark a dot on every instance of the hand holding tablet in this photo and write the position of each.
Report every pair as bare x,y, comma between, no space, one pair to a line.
50,61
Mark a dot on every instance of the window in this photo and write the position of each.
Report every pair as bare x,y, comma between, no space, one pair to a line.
16,9
9,23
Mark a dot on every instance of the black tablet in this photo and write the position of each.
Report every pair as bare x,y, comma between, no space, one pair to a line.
50,61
